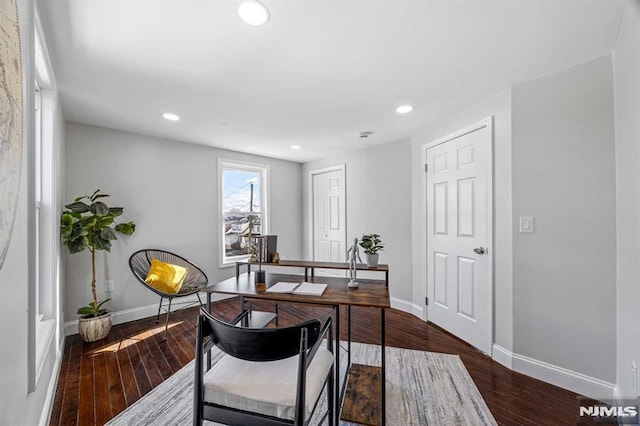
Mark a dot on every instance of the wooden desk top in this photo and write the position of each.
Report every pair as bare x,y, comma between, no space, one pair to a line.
371,293
324,265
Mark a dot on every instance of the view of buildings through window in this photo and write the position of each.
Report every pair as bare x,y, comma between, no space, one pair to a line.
242,204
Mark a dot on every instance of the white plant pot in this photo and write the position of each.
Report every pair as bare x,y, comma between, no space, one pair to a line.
94,328
372,259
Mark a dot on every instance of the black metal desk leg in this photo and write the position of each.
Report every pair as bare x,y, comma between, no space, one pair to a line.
384,367
338,382
349,335
208,310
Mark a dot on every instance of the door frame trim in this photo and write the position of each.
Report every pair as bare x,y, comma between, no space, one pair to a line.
338,167
488,123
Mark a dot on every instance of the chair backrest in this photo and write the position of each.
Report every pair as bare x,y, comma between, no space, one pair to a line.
140,263
259,344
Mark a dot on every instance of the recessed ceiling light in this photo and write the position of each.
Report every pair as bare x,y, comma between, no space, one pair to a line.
170,117
253,13
404,109
295,147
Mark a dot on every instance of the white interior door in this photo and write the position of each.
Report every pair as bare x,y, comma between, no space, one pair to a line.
329,216
458,195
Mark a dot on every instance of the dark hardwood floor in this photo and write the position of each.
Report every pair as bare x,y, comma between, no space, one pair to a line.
99,380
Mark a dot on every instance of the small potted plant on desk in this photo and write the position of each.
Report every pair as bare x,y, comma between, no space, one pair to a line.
91,225
372,244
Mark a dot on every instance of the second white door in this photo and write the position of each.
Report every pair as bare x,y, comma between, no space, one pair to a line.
329,228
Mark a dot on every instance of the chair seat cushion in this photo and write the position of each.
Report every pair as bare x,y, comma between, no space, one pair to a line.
166,277
265,387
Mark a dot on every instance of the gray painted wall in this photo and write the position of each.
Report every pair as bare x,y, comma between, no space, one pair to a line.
14,315
626,60
498,106
20,406
378,199
563,174
169,189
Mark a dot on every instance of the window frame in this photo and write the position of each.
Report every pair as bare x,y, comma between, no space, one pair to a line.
37,179
44,303
239,165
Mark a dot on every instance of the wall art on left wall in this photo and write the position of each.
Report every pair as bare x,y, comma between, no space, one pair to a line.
10,120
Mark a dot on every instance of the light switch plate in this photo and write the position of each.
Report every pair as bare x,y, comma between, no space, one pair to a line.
526,224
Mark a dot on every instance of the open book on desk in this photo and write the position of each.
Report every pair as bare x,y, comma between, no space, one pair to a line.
311,289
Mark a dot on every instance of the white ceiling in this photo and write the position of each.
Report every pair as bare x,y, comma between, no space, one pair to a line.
319,73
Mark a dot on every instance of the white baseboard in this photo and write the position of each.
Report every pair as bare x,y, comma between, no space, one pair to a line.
45,416
119,317
558,376
503,356
617,394
408,307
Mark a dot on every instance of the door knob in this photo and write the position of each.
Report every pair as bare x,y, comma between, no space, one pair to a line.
480,250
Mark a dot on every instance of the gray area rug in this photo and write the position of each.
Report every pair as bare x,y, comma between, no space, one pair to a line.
423,388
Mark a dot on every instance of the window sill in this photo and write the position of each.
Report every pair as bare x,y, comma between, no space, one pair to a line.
232,263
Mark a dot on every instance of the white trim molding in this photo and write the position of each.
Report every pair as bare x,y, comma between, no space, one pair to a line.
617,394
408,307
47,409
119,317
502,356
558,376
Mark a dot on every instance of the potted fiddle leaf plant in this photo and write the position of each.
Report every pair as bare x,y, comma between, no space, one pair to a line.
89,224
372,244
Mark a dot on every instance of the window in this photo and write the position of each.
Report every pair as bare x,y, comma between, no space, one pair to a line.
43,287
243,201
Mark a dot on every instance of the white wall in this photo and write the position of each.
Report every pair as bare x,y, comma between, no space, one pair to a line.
169,189
20,406
563,175
554,299
626,60
498,106
14,315
378,188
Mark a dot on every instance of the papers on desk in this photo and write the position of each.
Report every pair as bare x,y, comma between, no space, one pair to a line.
311,289
282,287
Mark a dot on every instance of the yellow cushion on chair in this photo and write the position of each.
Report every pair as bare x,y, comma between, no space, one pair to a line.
165,276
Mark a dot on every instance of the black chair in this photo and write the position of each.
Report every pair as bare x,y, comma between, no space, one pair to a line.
265,376
194,281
